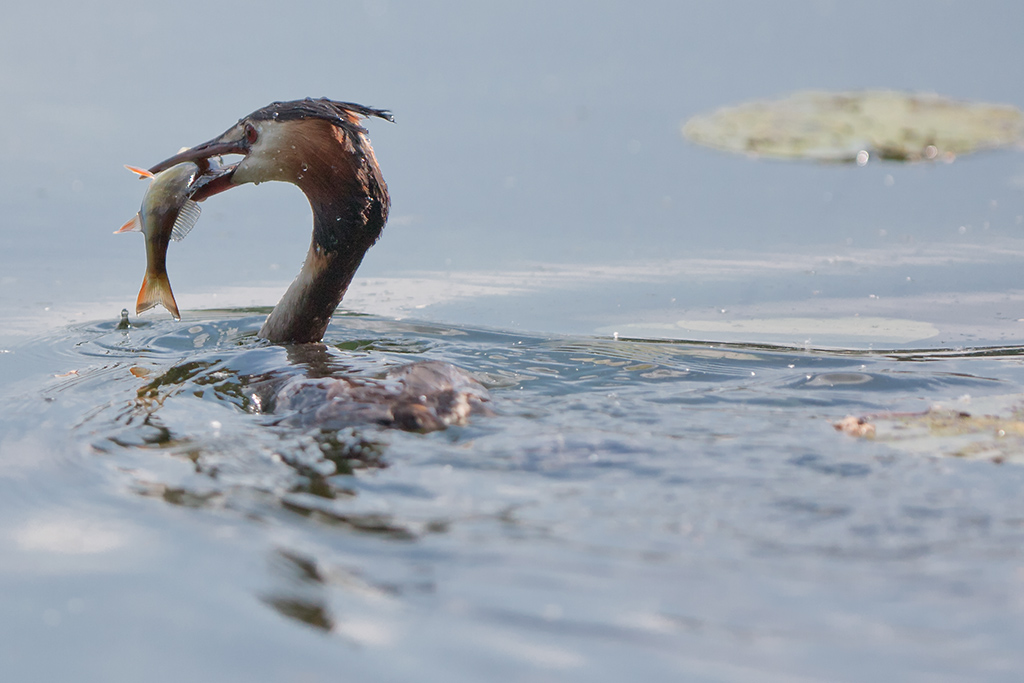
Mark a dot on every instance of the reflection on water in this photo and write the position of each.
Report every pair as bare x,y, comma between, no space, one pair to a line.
630,499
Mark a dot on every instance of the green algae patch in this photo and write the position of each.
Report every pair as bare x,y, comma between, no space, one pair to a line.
855,126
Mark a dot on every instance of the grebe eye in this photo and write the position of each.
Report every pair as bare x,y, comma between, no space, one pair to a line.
250,133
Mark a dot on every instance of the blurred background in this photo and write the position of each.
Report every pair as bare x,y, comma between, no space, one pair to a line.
530,139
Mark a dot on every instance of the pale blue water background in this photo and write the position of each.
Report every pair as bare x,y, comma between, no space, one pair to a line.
637,510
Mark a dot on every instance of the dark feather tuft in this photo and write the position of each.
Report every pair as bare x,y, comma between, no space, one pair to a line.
342,114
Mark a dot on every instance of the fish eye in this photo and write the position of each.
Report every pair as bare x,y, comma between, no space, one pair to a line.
250,133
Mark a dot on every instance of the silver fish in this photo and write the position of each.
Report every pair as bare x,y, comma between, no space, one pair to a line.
167,214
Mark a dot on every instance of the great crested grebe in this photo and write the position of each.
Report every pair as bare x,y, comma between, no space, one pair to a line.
320,146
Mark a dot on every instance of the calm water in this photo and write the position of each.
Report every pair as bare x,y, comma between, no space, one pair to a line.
667,334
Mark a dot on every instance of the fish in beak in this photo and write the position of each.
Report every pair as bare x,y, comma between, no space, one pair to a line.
213,177
167,213
319,146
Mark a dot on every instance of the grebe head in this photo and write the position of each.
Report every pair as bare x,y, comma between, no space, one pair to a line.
320,146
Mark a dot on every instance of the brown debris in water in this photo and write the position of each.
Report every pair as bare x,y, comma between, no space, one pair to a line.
855,426
996,435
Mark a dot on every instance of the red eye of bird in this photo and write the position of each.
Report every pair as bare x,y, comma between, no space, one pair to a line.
250,133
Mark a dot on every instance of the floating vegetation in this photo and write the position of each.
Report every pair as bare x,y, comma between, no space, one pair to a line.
992,429
853,126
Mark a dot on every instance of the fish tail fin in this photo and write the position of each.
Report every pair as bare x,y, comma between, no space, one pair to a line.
156,289
133,225
141,172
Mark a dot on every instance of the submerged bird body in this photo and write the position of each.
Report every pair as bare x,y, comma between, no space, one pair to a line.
167,213
418,397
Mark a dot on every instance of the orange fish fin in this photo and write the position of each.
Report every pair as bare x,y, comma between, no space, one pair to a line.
156,290
134,225
141,172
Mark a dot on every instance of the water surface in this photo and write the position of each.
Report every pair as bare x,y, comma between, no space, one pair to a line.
667,334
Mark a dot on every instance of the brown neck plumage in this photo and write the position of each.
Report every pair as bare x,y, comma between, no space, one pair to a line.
350,204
